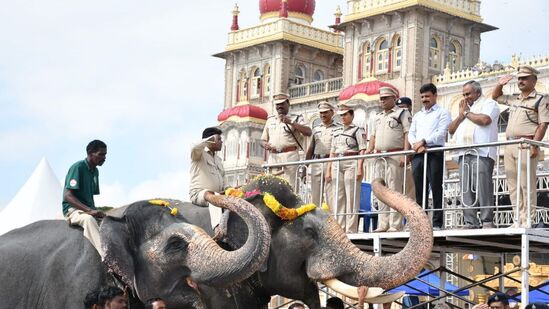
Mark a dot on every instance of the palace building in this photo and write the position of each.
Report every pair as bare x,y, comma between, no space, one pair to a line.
398,43
401,44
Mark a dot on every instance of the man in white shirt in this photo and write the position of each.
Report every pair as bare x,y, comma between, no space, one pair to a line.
429,129
476,123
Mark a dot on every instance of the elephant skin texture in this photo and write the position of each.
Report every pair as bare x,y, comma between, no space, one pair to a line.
49,264
314,248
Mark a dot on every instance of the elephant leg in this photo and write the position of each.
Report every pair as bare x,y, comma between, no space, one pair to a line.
311,297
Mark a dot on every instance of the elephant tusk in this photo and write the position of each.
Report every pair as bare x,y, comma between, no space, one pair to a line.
349,290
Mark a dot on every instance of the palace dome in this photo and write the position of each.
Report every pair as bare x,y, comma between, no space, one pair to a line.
367,90
243,112
299,7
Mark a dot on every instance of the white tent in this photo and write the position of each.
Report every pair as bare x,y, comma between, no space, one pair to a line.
39,199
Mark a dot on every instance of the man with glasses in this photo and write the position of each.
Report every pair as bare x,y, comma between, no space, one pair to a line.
476,123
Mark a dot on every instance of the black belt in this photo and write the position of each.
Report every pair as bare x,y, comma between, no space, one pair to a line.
319,156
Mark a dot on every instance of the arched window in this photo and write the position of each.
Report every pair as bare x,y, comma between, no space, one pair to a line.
318,76
299,75
503,121
256,151
382,56
256,83
366,59
434,53
242,87
397,53
244,149
231,150
454,56
267,80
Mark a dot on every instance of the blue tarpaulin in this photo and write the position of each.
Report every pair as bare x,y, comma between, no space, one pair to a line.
541,295
416,287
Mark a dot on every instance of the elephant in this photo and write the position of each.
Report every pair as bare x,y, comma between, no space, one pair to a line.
152,250
314,248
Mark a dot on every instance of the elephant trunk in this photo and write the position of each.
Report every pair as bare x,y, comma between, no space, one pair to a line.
391,271
218,267
361,269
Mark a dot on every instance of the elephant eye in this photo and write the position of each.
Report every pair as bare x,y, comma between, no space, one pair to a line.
175,244
311,232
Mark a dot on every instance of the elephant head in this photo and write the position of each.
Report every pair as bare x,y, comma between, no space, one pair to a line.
314,248
159,254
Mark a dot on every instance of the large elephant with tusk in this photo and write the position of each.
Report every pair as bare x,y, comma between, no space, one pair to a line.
311,247
149,245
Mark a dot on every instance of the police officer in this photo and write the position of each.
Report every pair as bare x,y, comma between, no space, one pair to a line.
528,118
319,148
207,172
496,300
282,136
349,140
389,134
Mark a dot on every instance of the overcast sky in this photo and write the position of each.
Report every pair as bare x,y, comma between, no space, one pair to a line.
139,75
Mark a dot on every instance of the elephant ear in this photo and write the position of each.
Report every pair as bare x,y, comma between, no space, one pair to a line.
115,241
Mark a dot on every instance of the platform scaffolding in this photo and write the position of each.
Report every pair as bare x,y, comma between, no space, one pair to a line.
485,242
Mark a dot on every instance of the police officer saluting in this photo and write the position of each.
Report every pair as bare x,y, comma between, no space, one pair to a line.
528,118
389,134
319,148
282,134
349,140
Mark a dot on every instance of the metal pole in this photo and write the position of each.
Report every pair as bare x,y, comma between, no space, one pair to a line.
524,265
518,188
424,193
501,269
377,252
442,283
528,186
338,167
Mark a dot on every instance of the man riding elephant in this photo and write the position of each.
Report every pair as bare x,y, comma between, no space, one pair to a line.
311,247
148,245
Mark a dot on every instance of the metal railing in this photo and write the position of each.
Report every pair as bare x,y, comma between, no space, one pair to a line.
504,214
316,88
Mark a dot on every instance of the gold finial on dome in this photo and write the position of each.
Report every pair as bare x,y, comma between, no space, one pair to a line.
338,13
236,10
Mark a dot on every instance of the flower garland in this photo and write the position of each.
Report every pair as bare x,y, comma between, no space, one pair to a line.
274,205
173,210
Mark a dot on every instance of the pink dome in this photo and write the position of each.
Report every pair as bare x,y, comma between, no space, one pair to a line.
243,111
369,88
306,7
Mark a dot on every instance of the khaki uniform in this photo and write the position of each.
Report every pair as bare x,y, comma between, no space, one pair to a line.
279,135
389,129
523,122
207,174
322,139
347,141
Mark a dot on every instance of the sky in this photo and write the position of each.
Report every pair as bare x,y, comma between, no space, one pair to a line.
139,75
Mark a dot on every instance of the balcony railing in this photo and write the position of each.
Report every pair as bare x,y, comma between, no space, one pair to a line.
470,7
504,215
316,88
483,70
285,29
